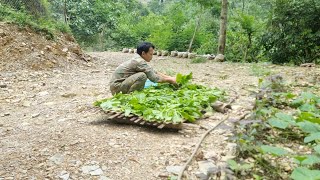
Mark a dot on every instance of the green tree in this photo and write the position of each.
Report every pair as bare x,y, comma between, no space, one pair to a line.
294,32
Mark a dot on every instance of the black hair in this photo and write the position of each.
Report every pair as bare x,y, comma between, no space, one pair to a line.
144,47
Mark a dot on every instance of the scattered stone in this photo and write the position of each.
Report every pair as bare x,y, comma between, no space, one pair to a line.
207,167
125,50
174,53
191,55
92,170
26,104
174,169
3,86
308,65
131,51
159,53
43,93
57,159
185,54
64,175
201,176
165,53
219,58
96,172
231,149
35,115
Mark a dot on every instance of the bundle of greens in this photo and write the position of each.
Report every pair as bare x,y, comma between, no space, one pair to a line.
165,103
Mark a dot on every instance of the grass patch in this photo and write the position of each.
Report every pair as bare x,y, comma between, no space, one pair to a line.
40,25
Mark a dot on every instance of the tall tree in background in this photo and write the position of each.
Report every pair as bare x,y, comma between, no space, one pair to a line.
223,27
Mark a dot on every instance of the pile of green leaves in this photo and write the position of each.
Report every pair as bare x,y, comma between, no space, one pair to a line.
287,118
165,103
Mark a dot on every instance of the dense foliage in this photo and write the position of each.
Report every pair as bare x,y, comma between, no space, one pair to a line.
286,142
165,103
294,32
281,31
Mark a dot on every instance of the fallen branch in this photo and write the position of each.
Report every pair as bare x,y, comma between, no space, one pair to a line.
198,146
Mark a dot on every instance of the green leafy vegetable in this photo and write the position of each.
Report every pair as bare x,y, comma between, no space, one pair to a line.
163,103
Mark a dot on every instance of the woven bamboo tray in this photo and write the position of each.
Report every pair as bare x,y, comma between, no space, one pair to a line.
119,117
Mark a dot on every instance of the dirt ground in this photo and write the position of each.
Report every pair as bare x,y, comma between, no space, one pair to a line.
49,128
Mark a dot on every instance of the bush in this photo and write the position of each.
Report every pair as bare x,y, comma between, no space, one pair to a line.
21,18
294,32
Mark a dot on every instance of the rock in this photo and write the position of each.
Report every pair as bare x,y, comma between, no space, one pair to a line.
43,93
57,159
209,56
201,176
308,65
219,58
174,53
64,175
92,170
231,149
174,169
26,104
35,115
191,55
159,53
180,54
125,50
207,167
185,54
165,53
3,86
131,51
96,172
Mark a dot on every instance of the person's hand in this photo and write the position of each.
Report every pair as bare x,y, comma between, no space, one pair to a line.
173,80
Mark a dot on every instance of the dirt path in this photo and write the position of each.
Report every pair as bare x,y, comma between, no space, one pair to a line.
49,129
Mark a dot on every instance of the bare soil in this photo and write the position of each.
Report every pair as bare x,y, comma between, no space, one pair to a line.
49,128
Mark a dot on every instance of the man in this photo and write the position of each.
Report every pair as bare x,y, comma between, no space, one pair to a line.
132,75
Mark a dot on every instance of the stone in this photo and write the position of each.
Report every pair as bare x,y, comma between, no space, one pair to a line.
64,175
207,167
174,169
231,149
191,55
3,86
165,53
43,93
219,58
26,104
96,172
174,53
35,115
93,170
57,159
201,176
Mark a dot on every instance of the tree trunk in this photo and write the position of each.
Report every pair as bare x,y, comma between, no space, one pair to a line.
194,33
65,13
223,27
